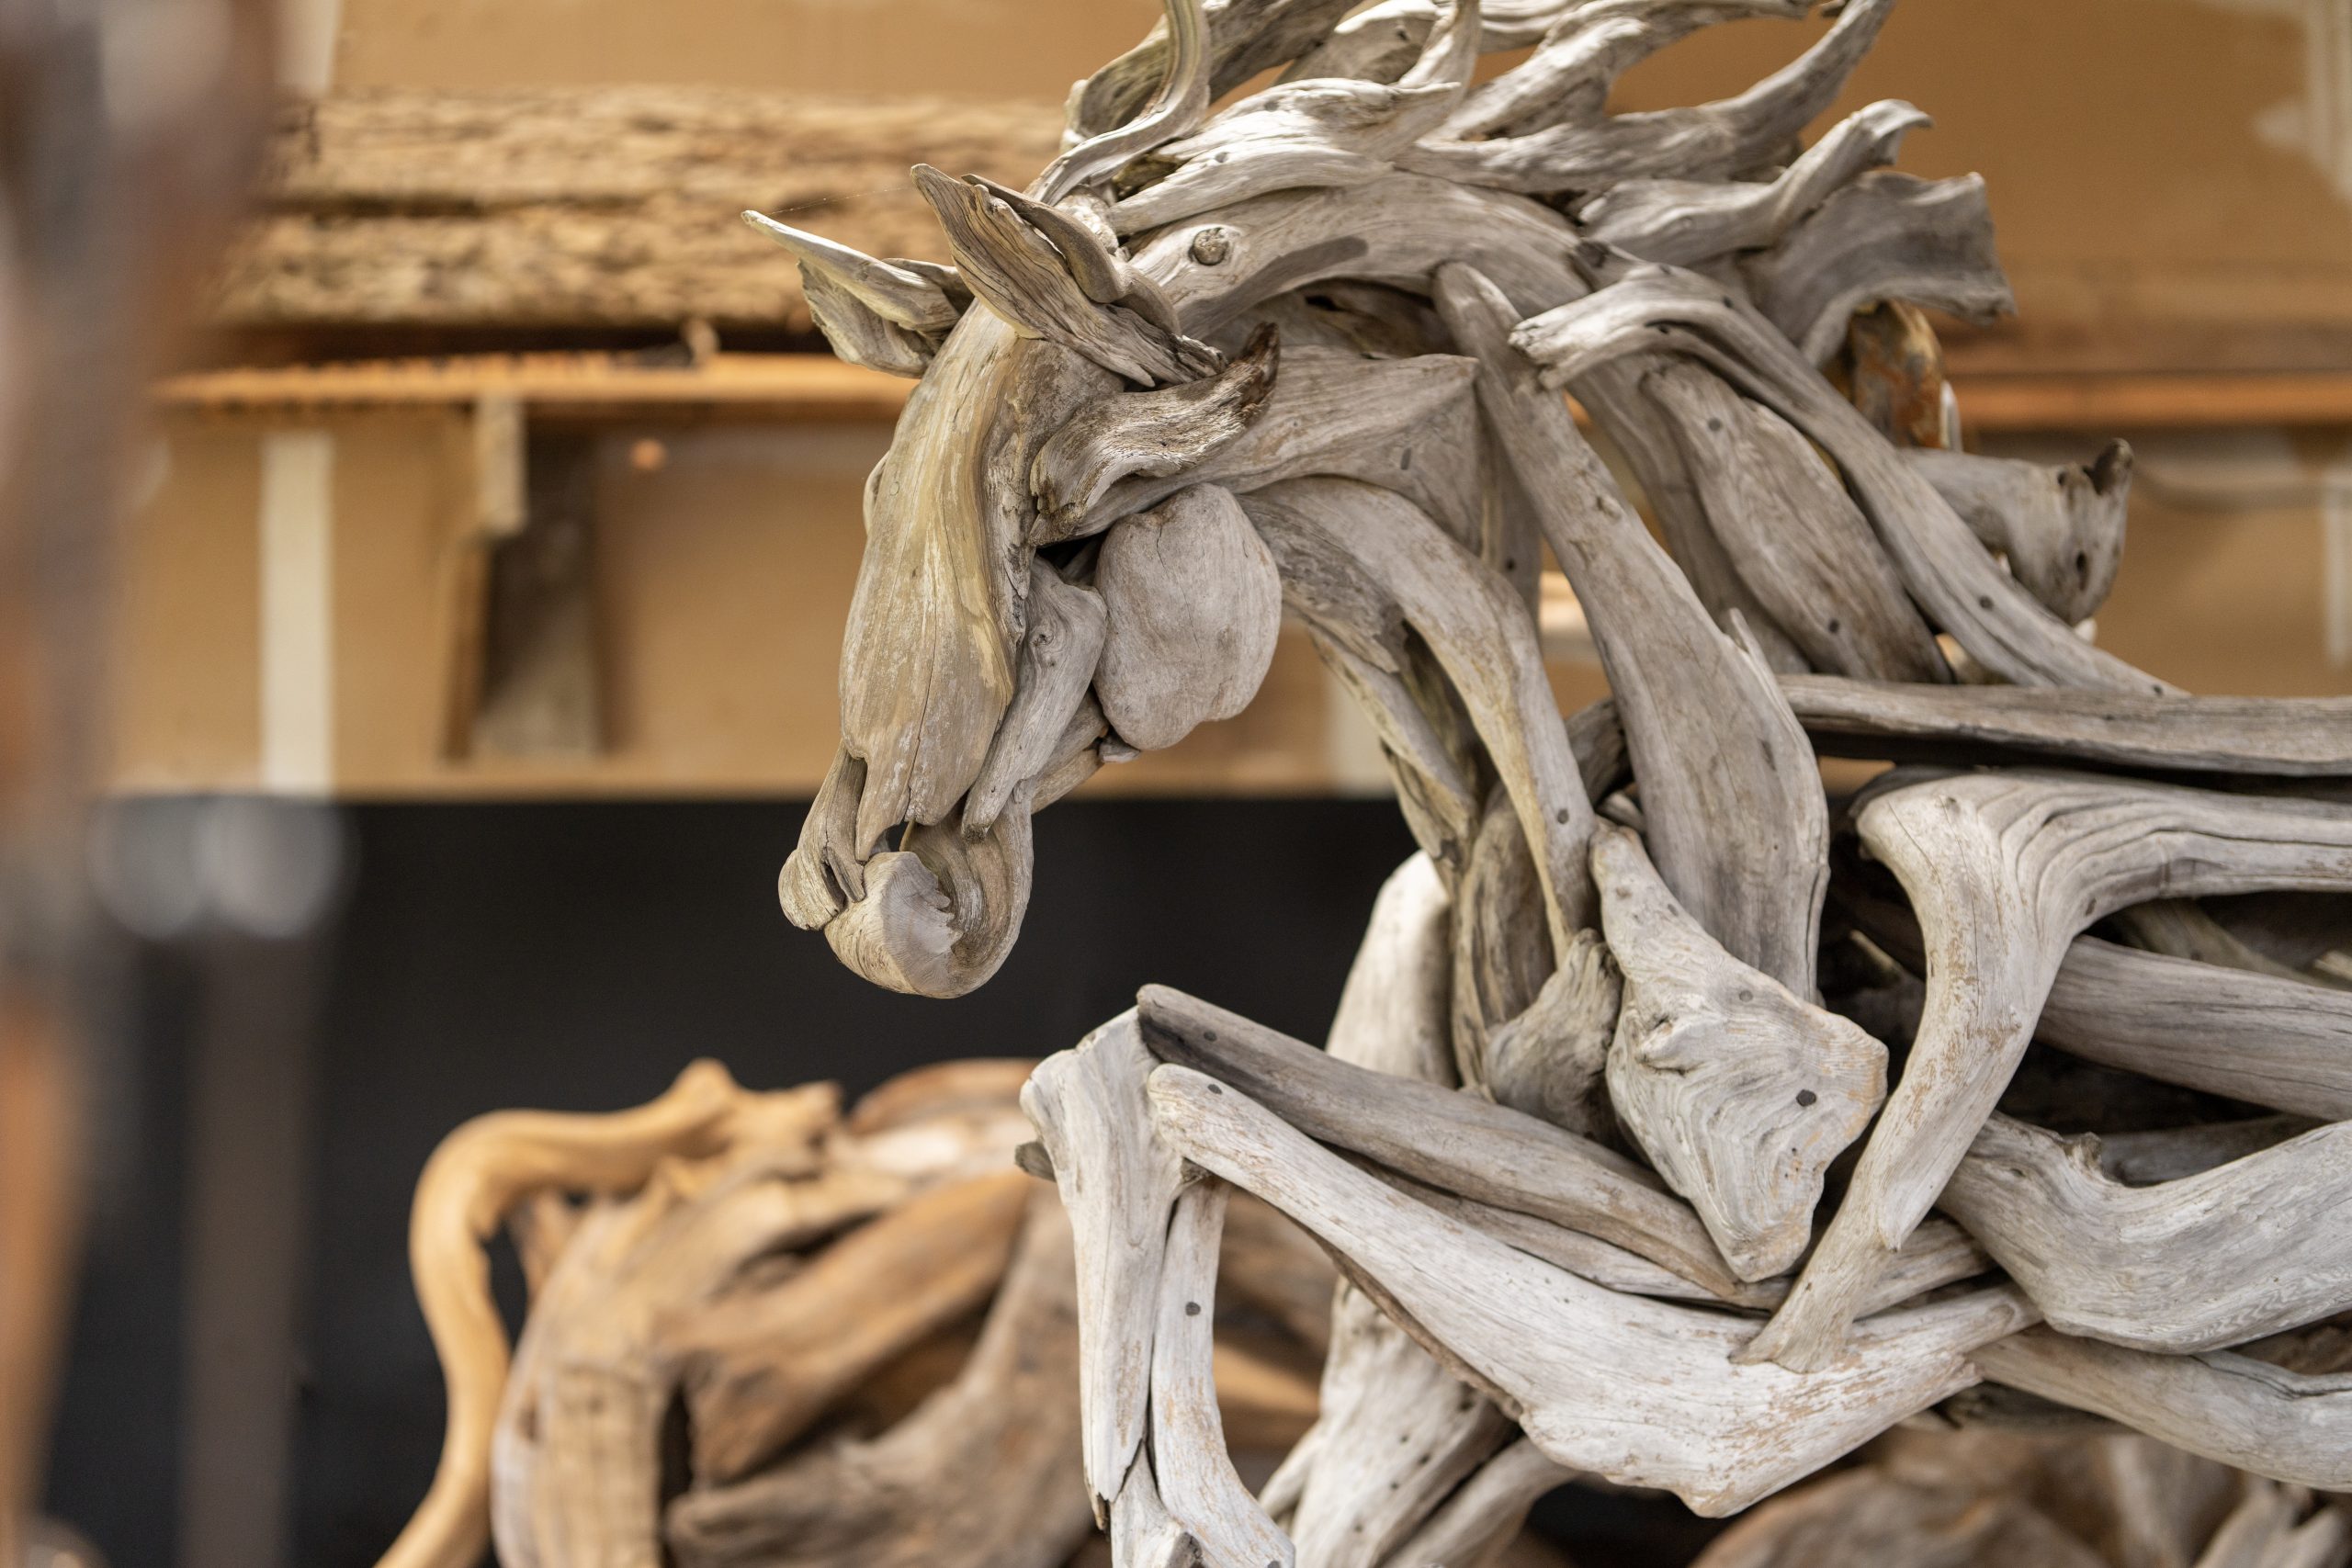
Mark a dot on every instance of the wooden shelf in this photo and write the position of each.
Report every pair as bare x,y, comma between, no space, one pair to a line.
816,387
813,387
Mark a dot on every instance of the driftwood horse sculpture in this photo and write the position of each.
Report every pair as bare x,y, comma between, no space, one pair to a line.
1572,1135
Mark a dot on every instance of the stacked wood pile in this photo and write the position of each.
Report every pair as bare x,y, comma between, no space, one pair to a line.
603,208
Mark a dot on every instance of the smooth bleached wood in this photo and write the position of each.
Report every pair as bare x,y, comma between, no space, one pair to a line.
2005,869
2200,1262
1709,738
1641,1392
2061,528
1449,1140
1120,1183
1194,602
1739,1092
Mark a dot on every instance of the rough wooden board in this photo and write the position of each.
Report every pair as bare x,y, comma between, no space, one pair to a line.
608,207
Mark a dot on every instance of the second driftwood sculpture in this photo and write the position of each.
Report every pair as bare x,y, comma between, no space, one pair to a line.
1679,1123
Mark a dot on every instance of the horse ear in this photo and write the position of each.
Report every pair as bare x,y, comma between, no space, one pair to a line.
885,315
1006,252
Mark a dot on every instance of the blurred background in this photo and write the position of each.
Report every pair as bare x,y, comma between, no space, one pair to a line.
473,647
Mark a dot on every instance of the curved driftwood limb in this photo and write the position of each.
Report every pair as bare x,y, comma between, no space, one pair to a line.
1561,1354
1887,236
1242,39
1794,534
884,315
1185,92
472,1180
1686,222
1479,1521
1194,602
1480,633
1624,412
1325,131
1962,590
1119,1184
1431,789
1329,415
1014,268
1503,959
1194,1475
2061,527
984,1473
1379,43
2179,928
2196,1263
2288,736
2290,1427
1059,651
1393,232
1447,1140
1740,1092
1711,741
2005,869
1717,140
2285,1043
1391,1017
1157,435
1566,80
1399,1433
1391,1415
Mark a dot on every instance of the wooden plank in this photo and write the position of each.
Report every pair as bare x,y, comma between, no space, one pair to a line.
596,207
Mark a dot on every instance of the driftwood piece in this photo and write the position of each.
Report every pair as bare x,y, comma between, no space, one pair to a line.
1715,141
1709,735
1717,1432
2290,737
1451,1141
2005,869
1194,602
1887,236
1795,537
2199,1262
1120,1183
2288,1426
1960,587
2061,528
1739,1092
1685,222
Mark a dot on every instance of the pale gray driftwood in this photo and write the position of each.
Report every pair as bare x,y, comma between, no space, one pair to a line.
2060,527
1886,236
1641,1392
1951,575
1715,141
1739,1092
2296,736
2197,1263
2292,1427
1120,1183
2005,869
1686,222
1711,739
1194,602
1449,1140
1567,79
1794,536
